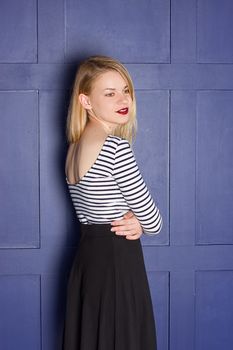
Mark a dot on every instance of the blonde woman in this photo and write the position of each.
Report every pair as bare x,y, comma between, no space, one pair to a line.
109,304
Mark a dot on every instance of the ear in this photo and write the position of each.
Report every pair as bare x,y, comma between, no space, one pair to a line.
84,100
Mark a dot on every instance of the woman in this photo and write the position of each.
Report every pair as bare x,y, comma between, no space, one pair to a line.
109,305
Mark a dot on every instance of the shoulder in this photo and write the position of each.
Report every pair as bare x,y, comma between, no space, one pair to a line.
118,142
120,148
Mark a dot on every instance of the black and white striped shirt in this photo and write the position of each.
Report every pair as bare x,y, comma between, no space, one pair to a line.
113,186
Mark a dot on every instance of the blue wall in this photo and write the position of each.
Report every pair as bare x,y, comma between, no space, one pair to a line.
180,55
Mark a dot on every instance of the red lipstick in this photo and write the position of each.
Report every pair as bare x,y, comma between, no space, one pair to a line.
123,111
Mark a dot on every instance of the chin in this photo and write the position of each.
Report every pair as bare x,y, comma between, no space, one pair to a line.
124,120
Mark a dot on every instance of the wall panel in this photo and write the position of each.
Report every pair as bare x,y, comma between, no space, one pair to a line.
152,151
18,31
20,312
119,29
214,31
19,162
159,284
214,307
214,167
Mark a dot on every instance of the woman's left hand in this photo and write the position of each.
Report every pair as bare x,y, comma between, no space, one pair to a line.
129,226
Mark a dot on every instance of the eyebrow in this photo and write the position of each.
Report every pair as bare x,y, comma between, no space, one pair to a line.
113,89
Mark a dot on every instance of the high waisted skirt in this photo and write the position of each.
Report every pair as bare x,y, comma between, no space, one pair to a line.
109,305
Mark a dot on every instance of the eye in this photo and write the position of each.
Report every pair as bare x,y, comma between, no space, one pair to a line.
110,94
126,91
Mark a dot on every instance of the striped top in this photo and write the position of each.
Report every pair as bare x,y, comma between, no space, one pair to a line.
113,186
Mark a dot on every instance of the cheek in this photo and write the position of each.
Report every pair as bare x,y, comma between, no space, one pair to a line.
108,103
97,104
130,101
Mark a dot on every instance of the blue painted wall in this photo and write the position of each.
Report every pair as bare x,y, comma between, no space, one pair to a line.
180,55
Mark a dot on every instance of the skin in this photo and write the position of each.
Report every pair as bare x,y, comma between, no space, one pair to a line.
128,227
109,94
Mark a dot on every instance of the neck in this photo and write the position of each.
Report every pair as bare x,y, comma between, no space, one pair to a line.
109,129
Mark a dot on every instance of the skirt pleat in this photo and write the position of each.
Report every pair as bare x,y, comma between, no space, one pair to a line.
109,304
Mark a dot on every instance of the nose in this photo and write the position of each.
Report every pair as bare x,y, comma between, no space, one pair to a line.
122,97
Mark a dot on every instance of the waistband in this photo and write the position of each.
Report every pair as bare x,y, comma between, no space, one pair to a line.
98,230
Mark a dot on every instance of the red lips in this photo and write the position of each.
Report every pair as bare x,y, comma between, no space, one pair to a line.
123,111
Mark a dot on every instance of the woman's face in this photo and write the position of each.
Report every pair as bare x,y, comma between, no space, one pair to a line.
110,99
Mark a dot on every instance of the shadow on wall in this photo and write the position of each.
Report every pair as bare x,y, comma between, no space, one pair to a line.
71,236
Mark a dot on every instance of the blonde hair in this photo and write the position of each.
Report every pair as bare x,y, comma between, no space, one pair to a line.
87,72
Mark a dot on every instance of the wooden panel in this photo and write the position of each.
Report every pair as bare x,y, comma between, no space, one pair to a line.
151,151
19,192
214,31
20,312
18,31
53,310
128,30
183,31
51,31
146,76
182,167
214,188
214,310
182,311
57,213
159,287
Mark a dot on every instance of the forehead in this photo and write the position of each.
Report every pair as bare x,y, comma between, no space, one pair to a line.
110,79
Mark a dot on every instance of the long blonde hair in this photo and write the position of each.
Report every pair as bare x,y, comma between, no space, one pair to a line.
87,72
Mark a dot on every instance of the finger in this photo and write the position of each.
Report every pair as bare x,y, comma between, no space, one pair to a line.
128,233
122,233
125,222
132,237
128,215
129,229
117,222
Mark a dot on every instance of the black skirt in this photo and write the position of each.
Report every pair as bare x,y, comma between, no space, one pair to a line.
109,304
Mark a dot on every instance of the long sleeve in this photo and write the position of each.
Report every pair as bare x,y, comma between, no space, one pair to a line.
132,186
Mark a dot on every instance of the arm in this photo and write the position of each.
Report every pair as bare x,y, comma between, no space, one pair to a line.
134,189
